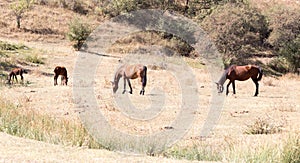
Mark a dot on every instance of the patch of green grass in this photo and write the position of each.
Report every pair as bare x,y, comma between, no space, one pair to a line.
291,150
5,46
195,63
34,58
200,153
262,153
29,124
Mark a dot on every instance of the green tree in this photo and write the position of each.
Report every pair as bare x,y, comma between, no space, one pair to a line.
238,30
291,52
78,32
19,8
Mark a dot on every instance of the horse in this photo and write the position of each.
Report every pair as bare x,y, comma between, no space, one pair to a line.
130,72
13,74
60,70
240,73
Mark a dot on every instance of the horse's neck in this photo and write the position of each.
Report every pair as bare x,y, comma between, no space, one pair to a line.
117,77
223,78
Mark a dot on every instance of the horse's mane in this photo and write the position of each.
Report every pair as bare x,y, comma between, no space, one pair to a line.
224,75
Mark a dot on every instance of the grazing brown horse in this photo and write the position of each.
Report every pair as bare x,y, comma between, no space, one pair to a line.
13,74
130,72
59,70
240,73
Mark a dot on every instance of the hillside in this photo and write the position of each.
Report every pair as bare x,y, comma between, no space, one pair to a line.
43,123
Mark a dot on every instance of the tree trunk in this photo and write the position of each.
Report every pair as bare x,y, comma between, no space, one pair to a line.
18,21
186,6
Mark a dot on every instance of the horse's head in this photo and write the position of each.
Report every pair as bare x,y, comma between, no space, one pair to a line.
220,87
24,71
115,86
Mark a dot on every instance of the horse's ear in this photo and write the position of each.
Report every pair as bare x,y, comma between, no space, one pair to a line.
217,83
111,82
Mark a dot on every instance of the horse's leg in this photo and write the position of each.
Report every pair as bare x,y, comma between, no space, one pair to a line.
256,85
129,86
124,85
66,80
22,78
9,78
143,88
62,80
142,91
16,78
55,80
227,88
233,86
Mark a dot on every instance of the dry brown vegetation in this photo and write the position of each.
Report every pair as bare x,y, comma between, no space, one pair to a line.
250,129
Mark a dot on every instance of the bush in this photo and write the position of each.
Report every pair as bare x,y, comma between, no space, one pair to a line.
34,59
19,8
77,6
279,64
238,30
116,7
264,126
285,26
78,32
291,52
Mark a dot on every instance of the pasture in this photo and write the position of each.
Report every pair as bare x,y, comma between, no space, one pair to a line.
275,111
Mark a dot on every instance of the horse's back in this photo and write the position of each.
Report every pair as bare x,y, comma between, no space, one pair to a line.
242,72
60,70
17,71
131,71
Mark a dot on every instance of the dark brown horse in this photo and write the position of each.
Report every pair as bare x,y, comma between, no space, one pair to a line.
13,74
59,70
130,72
240,73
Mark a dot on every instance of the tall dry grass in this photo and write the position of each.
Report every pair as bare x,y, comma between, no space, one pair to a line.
17,121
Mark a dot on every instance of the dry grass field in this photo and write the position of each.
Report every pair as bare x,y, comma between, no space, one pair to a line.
277,105
274,113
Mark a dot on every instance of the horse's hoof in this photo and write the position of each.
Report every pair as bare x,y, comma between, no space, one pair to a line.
130,92
123,91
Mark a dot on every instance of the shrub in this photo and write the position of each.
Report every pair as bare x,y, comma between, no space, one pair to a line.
291,52
285,26
116,7
264,126
279,64
77,6
34,59
19,8
78,32
239,31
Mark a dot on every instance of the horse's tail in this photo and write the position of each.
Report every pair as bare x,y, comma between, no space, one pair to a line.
144,79
260,71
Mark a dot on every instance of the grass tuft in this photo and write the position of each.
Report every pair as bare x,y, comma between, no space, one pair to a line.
29,124
291,150
34,58
264,126
194,153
